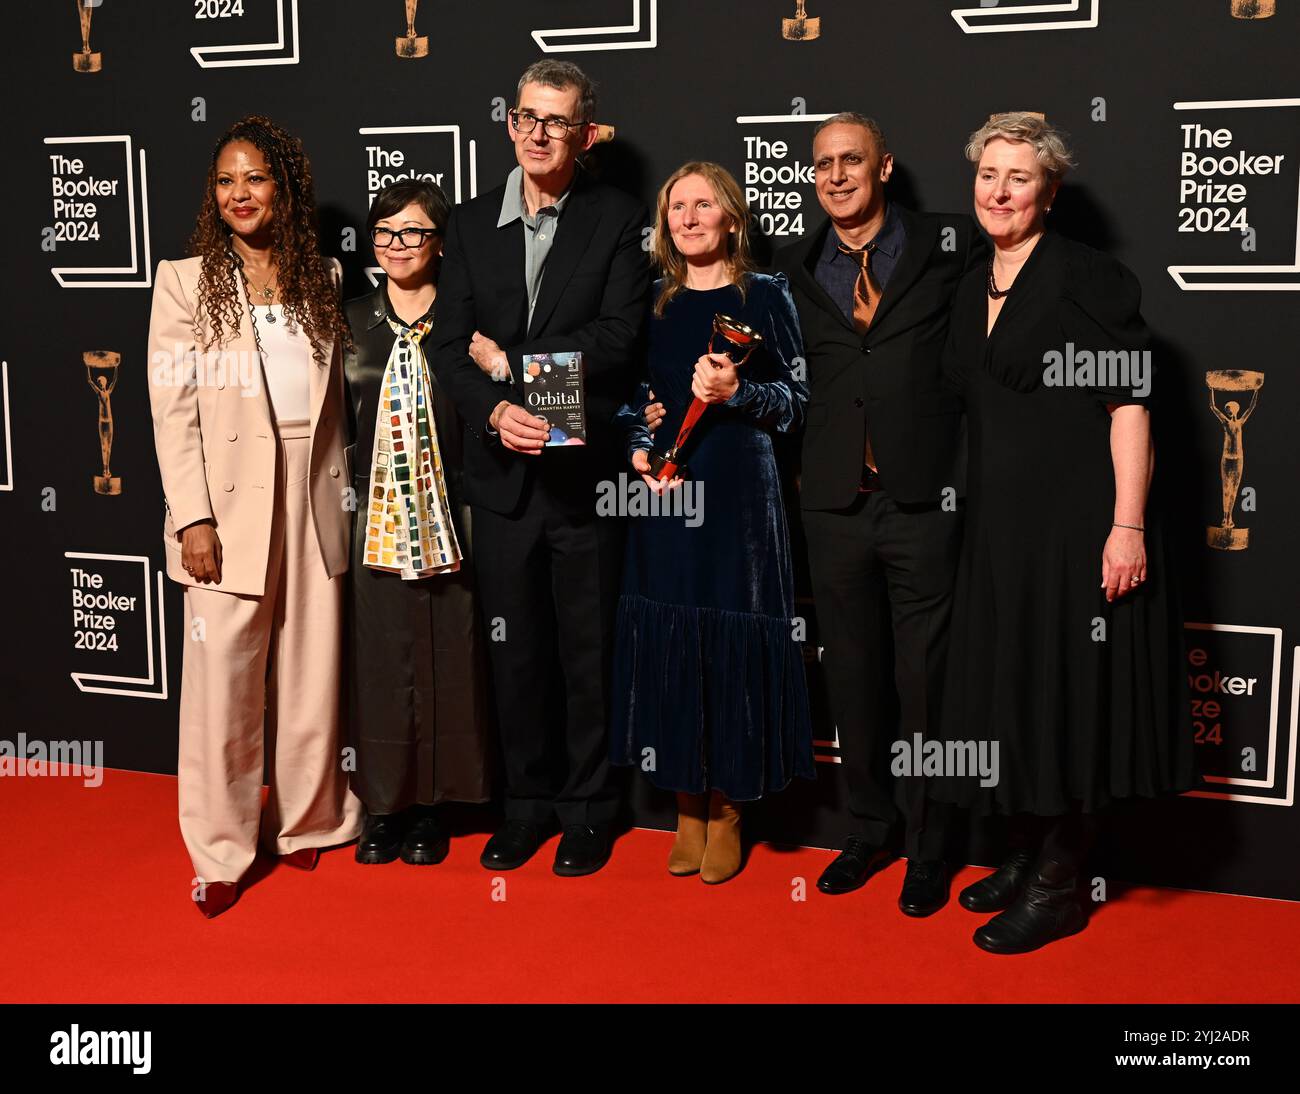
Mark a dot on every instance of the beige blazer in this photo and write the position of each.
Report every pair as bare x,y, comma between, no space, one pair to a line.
216,440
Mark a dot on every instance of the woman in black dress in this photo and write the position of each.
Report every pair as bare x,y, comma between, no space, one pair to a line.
1067,641
708,682
418,697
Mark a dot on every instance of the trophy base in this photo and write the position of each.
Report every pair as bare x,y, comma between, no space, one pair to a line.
1253,9
413,46
664,466
1222,538
801,30
108,484
87,62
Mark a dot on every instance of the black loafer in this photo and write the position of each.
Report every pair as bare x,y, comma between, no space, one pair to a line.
855,864
583,850
925,888
381,840
426,843
514,843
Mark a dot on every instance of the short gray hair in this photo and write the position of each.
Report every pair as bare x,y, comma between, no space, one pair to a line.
852,117
1049,143
562,75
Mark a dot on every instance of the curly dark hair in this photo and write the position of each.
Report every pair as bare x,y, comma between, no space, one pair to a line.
306,287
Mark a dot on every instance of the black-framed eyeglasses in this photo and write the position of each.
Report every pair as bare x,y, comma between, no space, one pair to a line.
410,237
555,128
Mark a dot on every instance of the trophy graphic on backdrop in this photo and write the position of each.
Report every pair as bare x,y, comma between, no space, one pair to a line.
411,44
1226,536
664,465
84,60
1253,9
801,28
101,375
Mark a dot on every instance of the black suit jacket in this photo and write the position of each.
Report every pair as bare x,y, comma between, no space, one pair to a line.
592,298
890,381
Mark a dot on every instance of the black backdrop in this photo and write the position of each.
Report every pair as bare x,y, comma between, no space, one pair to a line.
1139,84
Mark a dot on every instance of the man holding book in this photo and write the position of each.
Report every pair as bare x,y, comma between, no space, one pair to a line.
549,263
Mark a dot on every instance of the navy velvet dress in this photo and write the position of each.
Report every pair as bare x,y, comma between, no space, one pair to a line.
708,669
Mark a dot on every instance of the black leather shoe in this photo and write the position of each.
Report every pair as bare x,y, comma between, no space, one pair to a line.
1000,889
217,897
1047,908
857,862
925,888
583,849
381,840
514,843
426,843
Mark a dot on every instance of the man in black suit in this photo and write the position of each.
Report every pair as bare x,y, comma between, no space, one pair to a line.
882,469
551,261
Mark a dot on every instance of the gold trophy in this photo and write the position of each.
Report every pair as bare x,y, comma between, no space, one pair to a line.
412,45
801,28
664,465
1253,9
1226,536
84,60
101,375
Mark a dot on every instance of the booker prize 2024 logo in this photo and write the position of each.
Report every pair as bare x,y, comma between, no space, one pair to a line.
1234,676
778,173
273,24
119,639
1238,195
395,153
98,232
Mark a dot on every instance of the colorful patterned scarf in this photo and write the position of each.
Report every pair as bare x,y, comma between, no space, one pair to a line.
408,523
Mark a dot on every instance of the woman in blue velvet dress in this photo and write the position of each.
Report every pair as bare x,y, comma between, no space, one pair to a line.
709,694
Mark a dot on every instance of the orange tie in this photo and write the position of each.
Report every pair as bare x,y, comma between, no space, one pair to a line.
866,296
866,290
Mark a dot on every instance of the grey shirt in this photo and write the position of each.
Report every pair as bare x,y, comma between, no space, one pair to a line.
539,231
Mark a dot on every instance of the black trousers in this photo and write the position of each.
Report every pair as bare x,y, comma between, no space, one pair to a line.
882,578
548,585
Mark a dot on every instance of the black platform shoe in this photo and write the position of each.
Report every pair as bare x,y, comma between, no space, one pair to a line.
1047,909
381,841
426,842
1000,889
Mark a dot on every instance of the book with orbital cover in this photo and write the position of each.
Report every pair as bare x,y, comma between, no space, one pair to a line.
553,389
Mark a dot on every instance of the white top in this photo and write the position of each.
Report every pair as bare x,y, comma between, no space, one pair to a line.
287,364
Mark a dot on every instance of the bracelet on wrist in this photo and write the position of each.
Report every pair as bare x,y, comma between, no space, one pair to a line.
1135,527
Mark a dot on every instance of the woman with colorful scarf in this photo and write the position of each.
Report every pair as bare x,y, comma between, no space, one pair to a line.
418,697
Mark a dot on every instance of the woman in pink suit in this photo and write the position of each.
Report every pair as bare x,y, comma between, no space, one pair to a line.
246,347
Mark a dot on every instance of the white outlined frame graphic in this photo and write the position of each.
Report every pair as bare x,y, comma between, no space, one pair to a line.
216,56
61,273
8,484
557,40
989,20
1267,783
373,272
1180,274
87,681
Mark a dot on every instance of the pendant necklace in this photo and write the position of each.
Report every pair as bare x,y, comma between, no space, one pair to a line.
267,293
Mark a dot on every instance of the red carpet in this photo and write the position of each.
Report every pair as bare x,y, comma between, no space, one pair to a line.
96,909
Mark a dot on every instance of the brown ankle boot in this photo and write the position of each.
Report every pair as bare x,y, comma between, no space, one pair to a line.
692,822
722,849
